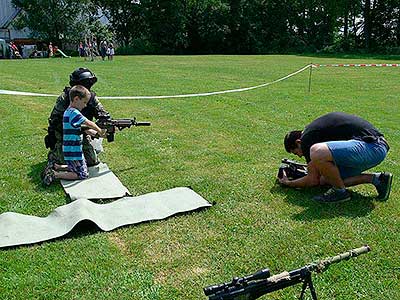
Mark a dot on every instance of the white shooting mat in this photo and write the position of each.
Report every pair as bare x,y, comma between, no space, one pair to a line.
101,184
18,229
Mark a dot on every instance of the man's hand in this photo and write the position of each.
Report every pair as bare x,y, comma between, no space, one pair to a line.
284,180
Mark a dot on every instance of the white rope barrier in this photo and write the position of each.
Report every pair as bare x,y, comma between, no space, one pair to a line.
356,65
7,92
16,93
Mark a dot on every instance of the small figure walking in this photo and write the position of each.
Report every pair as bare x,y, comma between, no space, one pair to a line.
81,50
51,53
110,52
103,49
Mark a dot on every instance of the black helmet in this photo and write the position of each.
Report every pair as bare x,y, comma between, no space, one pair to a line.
82,76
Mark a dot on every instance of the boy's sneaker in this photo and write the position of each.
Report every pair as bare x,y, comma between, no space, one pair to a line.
333,196
384,186
48,177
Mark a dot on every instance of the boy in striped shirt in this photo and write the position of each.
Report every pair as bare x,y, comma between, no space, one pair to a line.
76,167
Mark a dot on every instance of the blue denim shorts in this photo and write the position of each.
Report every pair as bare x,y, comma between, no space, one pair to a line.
353,157
79,167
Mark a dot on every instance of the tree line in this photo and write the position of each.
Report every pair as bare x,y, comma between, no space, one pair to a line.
221,26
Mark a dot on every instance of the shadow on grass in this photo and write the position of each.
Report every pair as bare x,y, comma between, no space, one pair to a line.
35,176
35,173
358,206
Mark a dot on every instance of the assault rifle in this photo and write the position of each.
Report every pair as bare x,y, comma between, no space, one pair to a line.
292,169
260,283
111,124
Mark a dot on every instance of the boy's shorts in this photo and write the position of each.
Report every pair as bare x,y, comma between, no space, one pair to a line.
353,157
79,167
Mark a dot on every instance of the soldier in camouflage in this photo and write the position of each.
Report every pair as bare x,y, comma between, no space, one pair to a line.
94,109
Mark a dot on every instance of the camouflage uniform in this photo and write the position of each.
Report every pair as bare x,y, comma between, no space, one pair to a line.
94,109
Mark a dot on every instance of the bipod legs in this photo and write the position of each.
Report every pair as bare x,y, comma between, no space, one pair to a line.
308,283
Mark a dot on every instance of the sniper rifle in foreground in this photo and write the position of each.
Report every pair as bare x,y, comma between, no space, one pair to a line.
111,124
261,283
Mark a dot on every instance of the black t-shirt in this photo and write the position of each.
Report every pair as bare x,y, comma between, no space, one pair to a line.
336,126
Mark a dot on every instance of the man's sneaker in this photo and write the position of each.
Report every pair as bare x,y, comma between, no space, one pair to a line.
49,177
384,186
333,195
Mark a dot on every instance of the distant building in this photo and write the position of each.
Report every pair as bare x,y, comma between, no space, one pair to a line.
8,12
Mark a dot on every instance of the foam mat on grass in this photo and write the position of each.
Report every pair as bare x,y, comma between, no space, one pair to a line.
19,229
101,184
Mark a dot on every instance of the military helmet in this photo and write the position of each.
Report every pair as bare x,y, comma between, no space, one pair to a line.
82,76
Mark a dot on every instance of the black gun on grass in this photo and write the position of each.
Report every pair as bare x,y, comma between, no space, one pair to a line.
110,125
292,169
261,283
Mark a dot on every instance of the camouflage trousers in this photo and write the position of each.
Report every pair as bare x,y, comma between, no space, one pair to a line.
57,156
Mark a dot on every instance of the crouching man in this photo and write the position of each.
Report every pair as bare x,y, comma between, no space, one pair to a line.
338,148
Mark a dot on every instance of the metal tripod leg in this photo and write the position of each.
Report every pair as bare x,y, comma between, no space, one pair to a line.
308,283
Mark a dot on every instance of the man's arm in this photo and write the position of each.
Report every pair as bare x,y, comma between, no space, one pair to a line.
310,180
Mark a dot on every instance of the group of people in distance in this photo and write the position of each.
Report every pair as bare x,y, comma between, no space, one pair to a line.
337,146
90,49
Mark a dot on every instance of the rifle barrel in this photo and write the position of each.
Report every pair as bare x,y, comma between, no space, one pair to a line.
142,124
325,263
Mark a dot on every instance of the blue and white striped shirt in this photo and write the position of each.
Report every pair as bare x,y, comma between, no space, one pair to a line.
72,137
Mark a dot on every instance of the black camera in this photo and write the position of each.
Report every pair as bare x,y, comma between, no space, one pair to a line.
292,169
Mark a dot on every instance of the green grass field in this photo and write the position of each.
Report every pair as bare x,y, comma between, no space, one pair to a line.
228,149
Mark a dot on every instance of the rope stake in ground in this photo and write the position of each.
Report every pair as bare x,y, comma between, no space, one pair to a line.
356,65
7,92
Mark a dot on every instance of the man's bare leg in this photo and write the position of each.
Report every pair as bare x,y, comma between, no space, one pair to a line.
359,179
321,156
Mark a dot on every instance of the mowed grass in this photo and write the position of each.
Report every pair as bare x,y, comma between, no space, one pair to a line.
228,149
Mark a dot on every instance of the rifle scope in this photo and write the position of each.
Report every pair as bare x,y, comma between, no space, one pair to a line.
237,282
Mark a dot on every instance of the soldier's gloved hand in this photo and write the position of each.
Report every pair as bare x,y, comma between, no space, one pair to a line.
103,133
91,132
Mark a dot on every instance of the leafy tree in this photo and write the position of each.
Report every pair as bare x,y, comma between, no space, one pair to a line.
126,17
220,26
59,21
166,21
207,26
384,24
